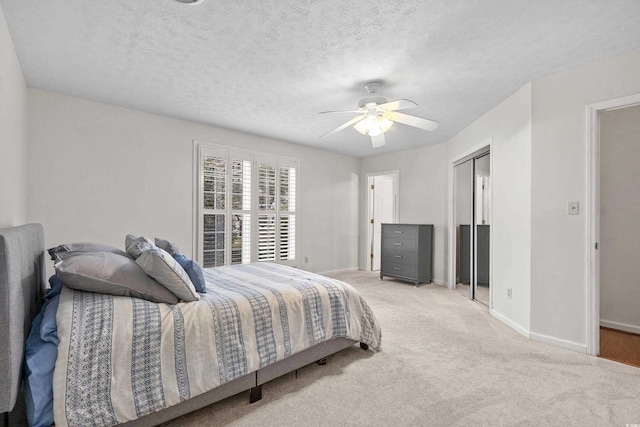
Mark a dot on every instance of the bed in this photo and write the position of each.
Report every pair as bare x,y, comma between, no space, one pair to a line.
117,365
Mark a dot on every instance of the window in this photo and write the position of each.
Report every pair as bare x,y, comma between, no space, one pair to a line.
246,207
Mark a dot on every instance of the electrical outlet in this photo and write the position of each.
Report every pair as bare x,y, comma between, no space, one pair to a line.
306,259
509,293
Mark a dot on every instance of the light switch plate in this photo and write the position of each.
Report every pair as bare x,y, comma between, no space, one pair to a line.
573,208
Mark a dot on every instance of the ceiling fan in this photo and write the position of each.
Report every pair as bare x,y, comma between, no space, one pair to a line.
376,115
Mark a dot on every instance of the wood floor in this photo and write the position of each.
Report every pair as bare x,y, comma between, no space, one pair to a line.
621,346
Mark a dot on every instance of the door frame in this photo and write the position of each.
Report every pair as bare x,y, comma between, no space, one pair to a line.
395,174
593,215
486,145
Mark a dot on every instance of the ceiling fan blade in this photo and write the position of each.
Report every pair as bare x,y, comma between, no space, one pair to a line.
399,104
345,125
341,111
413,121
378,141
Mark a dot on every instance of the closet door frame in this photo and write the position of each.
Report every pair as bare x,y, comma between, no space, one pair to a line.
477,151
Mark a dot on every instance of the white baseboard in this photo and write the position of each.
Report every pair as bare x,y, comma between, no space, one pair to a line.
620,326
546,339
440,283
558,342
510,323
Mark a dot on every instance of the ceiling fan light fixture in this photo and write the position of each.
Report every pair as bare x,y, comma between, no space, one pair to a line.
376,115
373,125
384,123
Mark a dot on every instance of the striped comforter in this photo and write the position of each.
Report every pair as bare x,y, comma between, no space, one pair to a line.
120,358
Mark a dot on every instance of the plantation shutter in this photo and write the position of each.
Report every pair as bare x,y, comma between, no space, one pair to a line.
214,204
267,209
288,180
246,207
240,176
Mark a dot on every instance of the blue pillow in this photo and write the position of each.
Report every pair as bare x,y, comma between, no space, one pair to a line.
194,271
40,357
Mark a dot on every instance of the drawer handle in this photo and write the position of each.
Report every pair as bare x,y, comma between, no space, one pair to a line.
397,268
398,231
397,244
397,256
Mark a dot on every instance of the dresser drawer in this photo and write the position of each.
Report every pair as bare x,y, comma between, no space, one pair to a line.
399,244
399,256
400,269
400,230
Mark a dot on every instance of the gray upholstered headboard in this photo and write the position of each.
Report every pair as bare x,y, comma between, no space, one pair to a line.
21,291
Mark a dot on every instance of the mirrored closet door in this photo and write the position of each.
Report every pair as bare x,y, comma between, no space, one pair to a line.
472,216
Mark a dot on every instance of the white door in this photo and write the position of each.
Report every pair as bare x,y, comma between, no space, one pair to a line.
382,209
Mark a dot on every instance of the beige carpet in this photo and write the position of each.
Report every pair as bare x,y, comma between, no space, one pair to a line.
445,362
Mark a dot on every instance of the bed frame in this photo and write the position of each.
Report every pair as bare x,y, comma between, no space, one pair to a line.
22,285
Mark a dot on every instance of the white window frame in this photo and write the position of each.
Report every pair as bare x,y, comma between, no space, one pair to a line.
201,149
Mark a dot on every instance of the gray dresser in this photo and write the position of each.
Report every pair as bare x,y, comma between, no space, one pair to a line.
407,252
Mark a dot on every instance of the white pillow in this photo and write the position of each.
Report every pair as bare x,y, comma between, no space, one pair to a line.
160,265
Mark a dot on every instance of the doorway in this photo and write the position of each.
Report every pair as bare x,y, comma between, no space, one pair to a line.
472,220
619,235
382,205
602,213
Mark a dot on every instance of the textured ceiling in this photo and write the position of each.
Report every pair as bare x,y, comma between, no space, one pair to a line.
267,67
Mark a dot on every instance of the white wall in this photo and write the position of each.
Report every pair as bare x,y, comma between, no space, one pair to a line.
421,195
559,175
13,133
620,218
98,172
507,127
